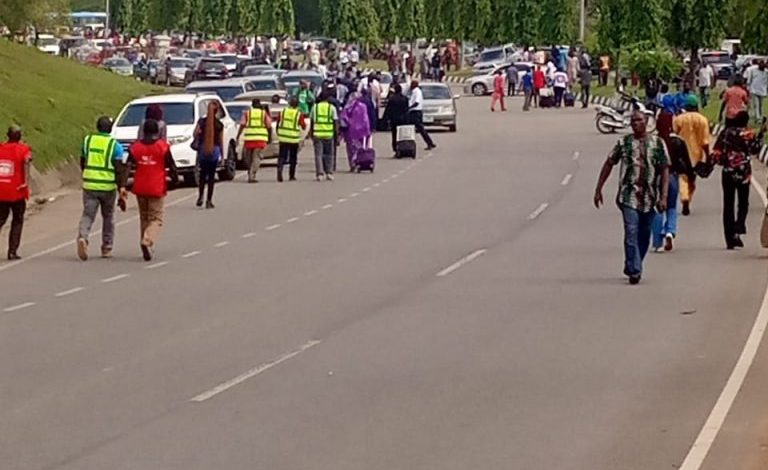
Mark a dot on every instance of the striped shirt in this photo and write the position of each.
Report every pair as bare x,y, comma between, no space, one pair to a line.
641,163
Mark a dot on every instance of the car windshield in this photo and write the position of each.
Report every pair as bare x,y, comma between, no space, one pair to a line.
313,79
173,114
257,70
436,93
212,66
236,111
228,59
193,54
47,42
716,59
177,64
264,85
226,93
490,56
117,63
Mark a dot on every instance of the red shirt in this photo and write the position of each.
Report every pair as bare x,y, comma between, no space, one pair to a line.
539,79
736,100
498,84
149,179
13,157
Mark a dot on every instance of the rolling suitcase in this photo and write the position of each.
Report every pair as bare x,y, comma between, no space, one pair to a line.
569,99
547,98
365,159
405,146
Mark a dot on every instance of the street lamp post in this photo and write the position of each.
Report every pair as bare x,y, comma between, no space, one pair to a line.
582,20
106,22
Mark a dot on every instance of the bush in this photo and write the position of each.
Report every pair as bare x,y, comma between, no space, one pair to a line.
646,62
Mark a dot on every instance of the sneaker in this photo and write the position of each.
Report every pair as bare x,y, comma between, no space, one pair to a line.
658,249
669,242
146,252
209,205
82,249
634,280
106,253
329,177
319,178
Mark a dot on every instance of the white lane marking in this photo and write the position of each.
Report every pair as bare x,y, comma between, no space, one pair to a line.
95,233
190,254
327,206
156,265
576,155
401,172
376,185
223,387
74,290
354,194
115,278
16,308
539,210
703,443
458,264
342,200
566,180
365,190
273,227
309,213
292,220
385,180
248,235
393,176
221,244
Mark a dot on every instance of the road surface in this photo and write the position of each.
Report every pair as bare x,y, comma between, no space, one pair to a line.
464,310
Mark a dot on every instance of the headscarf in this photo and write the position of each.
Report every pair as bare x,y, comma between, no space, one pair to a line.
355,114
669,104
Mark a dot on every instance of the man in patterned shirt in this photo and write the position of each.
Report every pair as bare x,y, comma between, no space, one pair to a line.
643,185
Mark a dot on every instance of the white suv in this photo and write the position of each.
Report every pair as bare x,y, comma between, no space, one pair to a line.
180,113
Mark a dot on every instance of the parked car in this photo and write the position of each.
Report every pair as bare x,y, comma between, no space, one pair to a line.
439,105
258,69
174,71
48,43
119,66
180,113
206,69
229,60
264,88
226,89
721,62
482,83
493,57
146,71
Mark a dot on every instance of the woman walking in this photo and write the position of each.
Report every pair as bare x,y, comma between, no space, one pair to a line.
209,136
357,127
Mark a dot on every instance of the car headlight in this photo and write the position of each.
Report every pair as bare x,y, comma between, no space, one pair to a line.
179,139
445,110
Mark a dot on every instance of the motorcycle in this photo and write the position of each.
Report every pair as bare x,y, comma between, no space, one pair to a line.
610,119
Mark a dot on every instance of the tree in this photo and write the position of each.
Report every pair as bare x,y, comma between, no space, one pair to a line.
476,21
756,27
526,31
276,16
557,21
42,14
350,20
307,15
694,24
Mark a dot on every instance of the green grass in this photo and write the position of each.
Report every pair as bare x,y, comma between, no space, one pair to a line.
57,101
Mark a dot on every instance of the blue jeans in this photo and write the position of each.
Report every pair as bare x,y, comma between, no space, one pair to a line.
667,222
637,238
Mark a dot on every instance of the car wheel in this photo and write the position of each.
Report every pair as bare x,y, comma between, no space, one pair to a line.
478,89
229,172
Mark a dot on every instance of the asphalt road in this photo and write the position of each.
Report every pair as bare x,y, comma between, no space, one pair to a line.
466,310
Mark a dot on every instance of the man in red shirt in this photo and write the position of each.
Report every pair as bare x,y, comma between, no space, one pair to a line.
498,91
539,82
257,126
735,99
151,157
15,158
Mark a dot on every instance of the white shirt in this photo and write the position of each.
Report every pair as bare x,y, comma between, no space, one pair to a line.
551,69
354,56
706,76
758,81
416,100
560,79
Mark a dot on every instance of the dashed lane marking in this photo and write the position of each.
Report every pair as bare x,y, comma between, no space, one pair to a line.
221,244
458,264
576,155
342,200
74,290
376,185
224,386
248,235
365,190
16,308
566,180
354,194
539,210
190,254
273,227
156,265
327,206
115,278
292,220
310,213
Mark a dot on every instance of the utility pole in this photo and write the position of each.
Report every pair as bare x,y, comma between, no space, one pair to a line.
106,22
582,20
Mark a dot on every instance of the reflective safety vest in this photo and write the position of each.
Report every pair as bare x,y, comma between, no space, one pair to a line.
256,131
288,132
322,120
99,172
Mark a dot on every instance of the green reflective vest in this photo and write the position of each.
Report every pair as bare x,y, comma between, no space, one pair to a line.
322,120
256,131
99,171
288,132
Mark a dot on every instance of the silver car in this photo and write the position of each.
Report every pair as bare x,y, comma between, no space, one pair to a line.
119,66
174,70
482,83
439,106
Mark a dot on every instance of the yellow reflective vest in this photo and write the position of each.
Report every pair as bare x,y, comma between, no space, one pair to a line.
255,130
99,171
289,131
322,120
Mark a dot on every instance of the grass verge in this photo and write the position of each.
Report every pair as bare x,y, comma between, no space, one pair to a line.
57,101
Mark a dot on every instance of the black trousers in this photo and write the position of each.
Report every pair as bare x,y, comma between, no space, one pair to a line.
417,119
289,153
734,219
511,88
585,89
17,223
207,178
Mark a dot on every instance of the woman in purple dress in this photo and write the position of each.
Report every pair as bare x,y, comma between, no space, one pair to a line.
356,127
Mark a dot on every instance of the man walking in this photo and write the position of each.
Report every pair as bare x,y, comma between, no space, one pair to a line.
693,128
152,157
257,126
643,183
706,78
539,83
498,91
15,160
290,124
416,113
560,84
396,112
528,89
585,79
306,98
100,161
757,81
324,129
512,80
